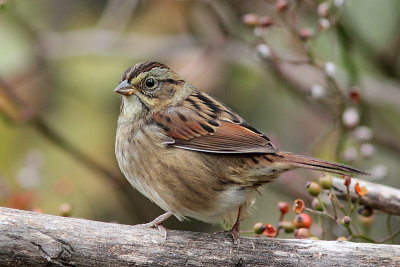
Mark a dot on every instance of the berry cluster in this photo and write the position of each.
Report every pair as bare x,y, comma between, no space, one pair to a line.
324,204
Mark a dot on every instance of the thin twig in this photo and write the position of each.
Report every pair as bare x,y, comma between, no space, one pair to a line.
323,213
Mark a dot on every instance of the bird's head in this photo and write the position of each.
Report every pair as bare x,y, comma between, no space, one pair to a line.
152,85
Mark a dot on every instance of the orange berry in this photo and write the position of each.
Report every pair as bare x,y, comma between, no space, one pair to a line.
298,206
270,230
302,220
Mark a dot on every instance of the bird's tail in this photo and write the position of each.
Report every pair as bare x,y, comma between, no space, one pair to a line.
300,161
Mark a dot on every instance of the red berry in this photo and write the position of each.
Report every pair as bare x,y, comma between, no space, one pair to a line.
347,180
270,231
354,95
302,220
283,207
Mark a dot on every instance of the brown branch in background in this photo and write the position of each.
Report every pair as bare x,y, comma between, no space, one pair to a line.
379,197
12,108
12,94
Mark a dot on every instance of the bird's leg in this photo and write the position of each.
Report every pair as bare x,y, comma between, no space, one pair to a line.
235,231
157,223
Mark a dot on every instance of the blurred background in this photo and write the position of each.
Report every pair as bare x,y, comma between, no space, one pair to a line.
320,78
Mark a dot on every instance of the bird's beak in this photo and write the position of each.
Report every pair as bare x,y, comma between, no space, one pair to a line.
124,88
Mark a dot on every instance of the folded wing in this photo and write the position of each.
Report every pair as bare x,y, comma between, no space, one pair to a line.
204,124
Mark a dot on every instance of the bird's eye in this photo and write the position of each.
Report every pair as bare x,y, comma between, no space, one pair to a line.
150,83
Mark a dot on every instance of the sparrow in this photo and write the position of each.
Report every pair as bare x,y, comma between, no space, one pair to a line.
191,154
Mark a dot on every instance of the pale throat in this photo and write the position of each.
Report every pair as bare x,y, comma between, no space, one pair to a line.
132,108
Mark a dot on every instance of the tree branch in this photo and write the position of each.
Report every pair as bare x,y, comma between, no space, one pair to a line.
33,239
379,197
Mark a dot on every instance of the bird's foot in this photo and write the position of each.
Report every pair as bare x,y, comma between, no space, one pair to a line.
158,223
235,232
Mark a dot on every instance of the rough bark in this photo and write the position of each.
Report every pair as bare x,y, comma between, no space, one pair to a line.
33,239
379,197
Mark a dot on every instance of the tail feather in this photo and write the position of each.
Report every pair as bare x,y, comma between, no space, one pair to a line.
301,161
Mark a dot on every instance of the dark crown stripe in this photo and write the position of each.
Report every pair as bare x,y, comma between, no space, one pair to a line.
135,70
